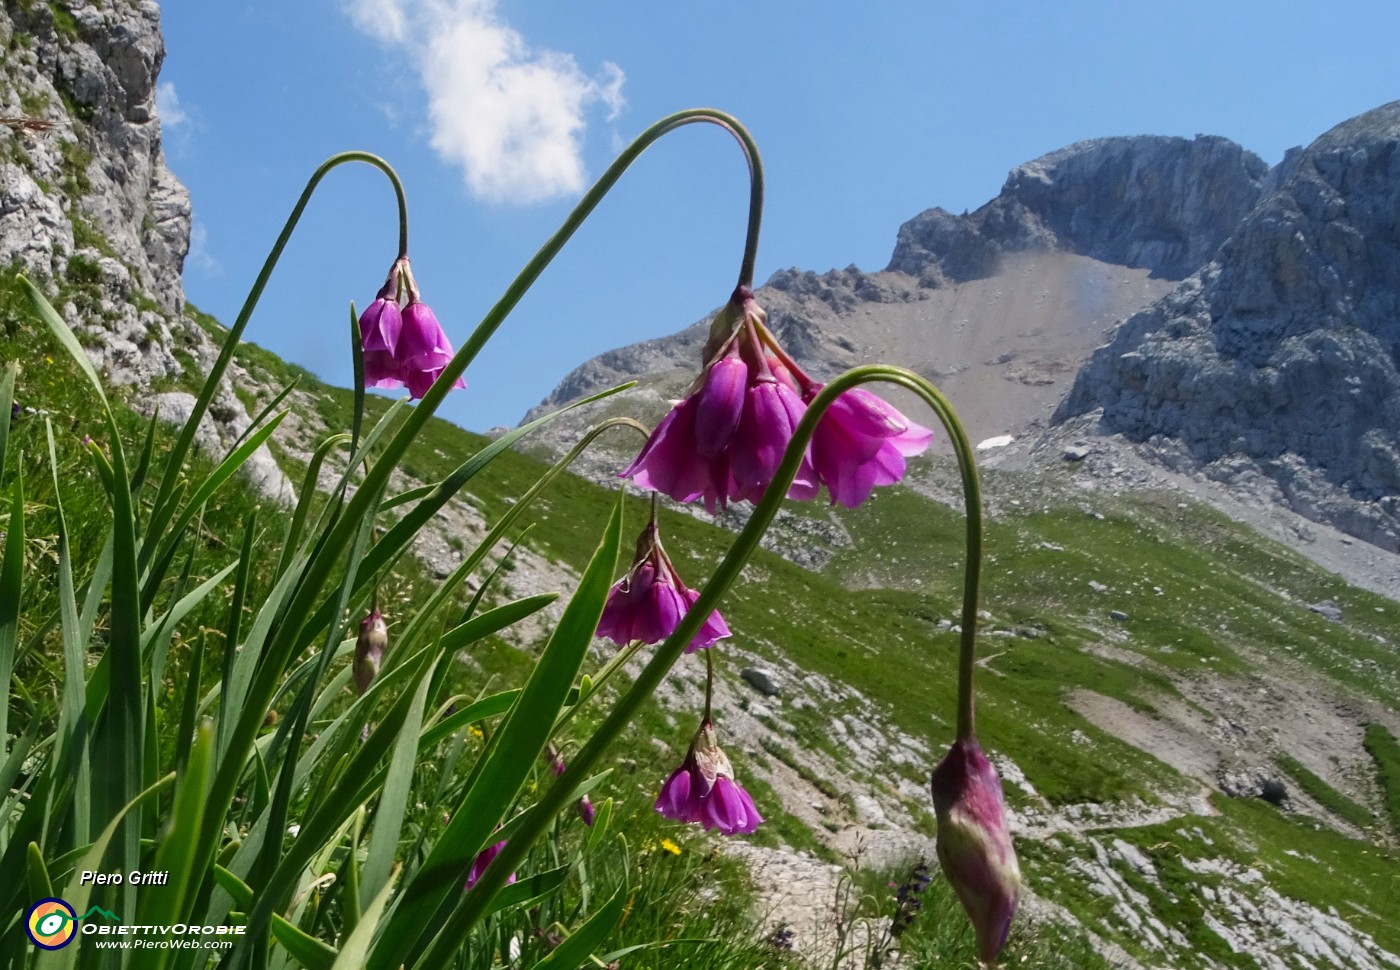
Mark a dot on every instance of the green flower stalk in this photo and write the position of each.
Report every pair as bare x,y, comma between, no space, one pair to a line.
650,677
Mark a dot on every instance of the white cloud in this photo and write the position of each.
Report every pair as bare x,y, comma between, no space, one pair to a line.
510,115
172,116
199,250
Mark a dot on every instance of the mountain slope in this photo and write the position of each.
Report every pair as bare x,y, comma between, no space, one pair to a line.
1280,360
1003,305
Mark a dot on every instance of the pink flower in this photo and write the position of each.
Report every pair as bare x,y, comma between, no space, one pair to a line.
403,346
369,650
974,843
770,415
585,807
423,349
725,439
703,789
729,809
862,442
648,603
482,860
681,793
379,335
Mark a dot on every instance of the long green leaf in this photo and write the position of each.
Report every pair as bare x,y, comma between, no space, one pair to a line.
309,491
398,537
77,893
310,952
337,803
503,769
45,311
11,593
393,799
528,890
355,949
241,892
357,358
247,656
234,625
164,628
202,495
143,462
175,854
189,704
70,748
39,885
7,399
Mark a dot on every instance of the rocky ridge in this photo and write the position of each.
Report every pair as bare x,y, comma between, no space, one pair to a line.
1278,362
1159,205
1250,314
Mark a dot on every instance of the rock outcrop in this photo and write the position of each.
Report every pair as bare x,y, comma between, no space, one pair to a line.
1277,364
1148,202
83,170
1163,205
88,208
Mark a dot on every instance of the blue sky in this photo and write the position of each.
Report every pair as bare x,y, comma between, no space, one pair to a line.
866,114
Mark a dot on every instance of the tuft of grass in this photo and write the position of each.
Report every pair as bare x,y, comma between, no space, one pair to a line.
1325,795
1385,752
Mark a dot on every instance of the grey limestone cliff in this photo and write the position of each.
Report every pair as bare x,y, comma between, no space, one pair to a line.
1149,202
90,211
1277,363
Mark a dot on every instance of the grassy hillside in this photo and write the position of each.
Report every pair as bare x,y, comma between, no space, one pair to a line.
1141,603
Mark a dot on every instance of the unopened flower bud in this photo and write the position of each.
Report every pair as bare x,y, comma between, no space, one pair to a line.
369,650
974,843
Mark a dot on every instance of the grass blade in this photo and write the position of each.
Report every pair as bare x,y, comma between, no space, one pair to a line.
516,747
77,893
576,950
45,312
175,854
7,399
355,949
310,952
11,593
393,799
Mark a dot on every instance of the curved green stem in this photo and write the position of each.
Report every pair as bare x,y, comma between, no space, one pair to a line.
282,642
709,684
211,383
724,576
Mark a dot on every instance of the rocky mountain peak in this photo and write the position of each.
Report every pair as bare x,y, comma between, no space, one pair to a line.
1147,202
1276,364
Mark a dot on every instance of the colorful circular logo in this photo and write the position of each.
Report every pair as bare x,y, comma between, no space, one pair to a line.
51,924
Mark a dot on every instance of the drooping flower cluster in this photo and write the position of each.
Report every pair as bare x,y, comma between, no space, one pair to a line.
703,789
974,843
403,346
648,603
724,441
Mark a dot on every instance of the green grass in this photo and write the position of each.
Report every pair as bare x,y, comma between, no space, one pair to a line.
1385,752
1325,795
1228,599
